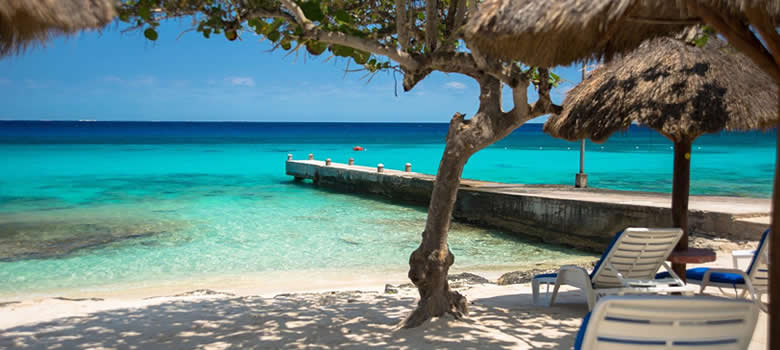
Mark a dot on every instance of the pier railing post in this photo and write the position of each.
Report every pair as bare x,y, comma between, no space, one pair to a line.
311,156
380,167
408,167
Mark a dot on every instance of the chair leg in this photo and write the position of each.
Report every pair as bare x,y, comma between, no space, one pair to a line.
554,293
591,295
535,290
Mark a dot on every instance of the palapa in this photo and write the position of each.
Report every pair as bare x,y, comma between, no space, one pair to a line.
549,33
26,22
680,90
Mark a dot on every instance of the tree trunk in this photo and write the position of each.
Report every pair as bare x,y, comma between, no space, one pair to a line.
774,252
431,261
681,182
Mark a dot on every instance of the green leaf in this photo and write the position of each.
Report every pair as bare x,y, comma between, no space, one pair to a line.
260,27
206,33
150,34
342,51
286,44
342,16
312,10
360,57
316,48
273,36
144,12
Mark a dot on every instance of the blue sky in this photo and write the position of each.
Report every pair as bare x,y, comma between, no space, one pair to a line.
111,75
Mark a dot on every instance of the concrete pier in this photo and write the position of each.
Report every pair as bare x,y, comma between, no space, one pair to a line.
584,218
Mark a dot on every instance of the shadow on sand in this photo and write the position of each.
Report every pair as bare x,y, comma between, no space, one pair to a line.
321,321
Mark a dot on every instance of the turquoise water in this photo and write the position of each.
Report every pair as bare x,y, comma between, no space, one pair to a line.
94,204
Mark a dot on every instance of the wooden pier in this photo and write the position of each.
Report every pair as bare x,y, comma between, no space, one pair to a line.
583,218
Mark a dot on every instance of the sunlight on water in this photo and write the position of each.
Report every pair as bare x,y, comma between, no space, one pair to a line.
79,214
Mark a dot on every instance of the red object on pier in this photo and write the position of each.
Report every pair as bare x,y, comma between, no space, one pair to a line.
357,148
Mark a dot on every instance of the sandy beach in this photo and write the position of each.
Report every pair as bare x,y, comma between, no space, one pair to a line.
362,315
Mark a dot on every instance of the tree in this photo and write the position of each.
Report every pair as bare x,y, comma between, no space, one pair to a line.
410,36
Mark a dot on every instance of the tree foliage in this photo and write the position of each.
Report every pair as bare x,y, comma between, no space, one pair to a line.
365,32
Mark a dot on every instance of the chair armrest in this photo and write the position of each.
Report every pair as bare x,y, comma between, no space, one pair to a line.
575,276
736,255
748,253
573,268
748,283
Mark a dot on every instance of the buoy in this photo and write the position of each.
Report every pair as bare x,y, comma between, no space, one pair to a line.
357,148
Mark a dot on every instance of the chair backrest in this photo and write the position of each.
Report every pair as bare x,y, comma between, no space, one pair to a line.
668,322
637,253
758,271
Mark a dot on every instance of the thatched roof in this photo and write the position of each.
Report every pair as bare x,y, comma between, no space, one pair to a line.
673,87
559,32
25,22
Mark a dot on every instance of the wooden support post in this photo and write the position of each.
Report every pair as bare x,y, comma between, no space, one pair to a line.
380,167
680,191
408,167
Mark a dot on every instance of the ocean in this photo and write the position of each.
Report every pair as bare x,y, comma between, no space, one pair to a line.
88,205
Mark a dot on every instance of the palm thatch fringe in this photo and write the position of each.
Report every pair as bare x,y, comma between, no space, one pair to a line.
26,22
678,89
548,33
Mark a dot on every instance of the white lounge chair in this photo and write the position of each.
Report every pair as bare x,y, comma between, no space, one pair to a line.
629,265
668,322
754,280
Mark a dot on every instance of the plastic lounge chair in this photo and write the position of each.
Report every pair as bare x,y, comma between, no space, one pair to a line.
629,264
668,322
754,280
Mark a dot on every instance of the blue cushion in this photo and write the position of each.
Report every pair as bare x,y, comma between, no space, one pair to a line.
581,332
604,256
547,275
697,275
758,249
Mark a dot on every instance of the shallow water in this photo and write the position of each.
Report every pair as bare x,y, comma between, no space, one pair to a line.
91,204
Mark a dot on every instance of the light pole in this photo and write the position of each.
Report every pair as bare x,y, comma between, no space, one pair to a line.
581,180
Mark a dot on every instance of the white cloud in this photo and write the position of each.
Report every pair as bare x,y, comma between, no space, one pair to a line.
242,81
455,85
112,79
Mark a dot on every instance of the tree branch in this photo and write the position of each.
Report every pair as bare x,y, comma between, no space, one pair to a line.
738,35
460,15
544,104
431,25
339,38
298,13
400,24
403,58
763,25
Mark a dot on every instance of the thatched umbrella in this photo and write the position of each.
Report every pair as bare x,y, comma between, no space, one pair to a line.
526,30
559,32
678,89
26,22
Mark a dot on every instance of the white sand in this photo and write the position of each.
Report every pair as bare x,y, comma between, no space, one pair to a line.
502,317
